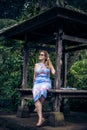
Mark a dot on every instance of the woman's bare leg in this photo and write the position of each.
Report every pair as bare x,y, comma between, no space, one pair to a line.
38,106
42,99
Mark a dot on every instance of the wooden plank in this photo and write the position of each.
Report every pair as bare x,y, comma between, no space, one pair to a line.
25,91
39,47
75,96
63,93
74,39
75,48
41,39
70,91
59,91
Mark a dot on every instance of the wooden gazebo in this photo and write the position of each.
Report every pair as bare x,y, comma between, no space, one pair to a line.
58,26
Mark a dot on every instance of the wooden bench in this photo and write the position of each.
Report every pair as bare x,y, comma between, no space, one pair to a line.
61,93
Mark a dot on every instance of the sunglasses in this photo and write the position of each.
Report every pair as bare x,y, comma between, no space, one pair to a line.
41,54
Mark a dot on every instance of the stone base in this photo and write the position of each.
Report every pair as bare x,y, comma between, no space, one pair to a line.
22,112
56,119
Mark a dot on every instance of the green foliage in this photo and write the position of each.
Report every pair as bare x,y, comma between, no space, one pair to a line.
11,8
6,23
34,7
33,58
10,72
79,4
29,9
77,76
25,8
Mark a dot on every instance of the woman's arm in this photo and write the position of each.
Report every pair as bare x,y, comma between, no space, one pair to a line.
52,69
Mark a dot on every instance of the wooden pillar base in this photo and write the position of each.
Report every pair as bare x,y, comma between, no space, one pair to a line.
22,112
56,119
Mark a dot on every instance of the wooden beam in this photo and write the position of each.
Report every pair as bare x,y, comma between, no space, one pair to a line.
75,48
39,47
44,40
70,92
40,34
74,39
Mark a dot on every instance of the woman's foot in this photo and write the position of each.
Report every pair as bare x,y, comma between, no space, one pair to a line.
40,122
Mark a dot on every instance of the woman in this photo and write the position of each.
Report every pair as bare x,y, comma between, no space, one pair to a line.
42,82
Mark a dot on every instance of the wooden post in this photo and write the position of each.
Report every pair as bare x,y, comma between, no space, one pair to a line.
64,103
64,74
22,111
58,68
26,53
57,117
25,63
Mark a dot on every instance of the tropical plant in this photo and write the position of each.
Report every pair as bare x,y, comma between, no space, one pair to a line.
77,76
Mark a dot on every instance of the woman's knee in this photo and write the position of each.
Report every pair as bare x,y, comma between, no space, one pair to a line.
42,99
37,103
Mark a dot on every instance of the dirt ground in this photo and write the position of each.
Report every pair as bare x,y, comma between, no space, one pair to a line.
73,121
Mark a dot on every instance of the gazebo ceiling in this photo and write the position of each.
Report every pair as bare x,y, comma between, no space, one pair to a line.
44,25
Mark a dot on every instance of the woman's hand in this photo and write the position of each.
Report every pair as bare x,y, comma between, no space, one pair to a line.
52,70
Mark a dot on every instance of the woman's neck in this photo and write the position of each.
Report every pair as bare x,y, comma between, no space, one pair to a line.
42,62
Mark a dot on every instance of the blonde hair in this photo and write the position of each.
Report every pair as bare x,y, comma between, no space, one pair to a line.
48,62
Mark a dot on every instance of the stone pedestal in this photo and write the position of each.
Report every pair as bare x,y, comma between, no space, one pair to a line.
56,119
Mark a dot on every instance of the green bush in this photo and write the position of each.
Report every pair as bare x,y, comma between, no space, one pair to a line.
77,76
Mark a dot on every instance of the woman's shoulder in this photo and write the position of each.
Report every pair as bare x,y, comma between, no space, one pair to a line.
36,64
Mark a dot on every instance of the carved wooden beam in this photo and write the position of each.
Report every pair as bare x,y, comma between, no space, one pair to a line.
74,39
75,48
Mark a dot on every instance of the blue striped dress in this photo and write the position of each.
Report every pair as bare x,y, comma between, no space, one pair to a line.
42,82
